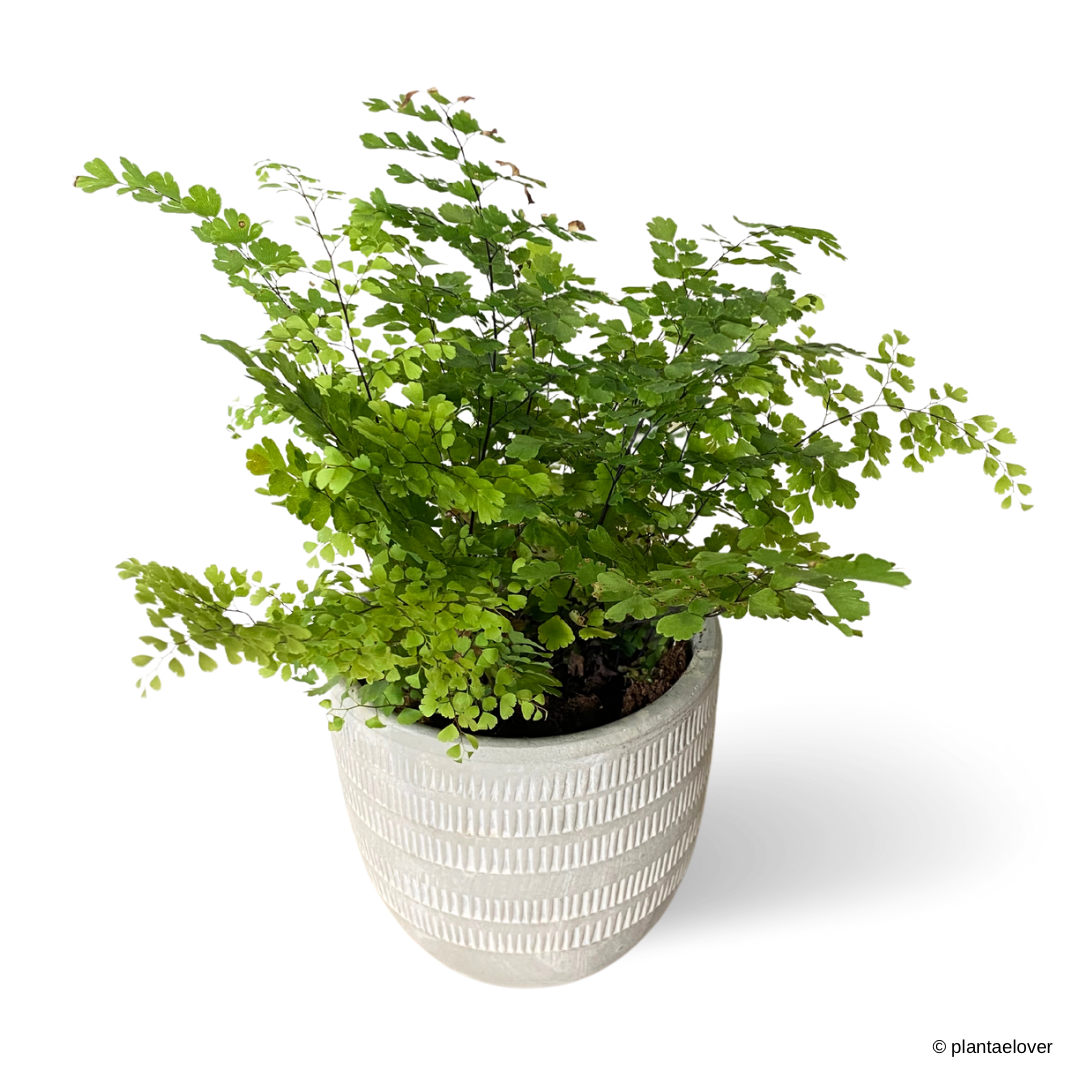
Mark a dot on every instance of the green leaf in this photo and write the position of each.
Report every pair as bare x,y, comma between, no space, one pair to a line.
847,600
463,121
555,634
230,347
141,661
764,603
681,626
444,148
101,176
339,481
636,606
524,447
205,202
207,663
720,562
257,462
662,229
614,586
176,667
757,487
865,568
448,733
985,422
799,507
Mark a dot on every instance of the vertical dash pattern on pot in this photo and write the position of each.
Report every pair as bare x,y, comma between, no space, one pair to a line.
538,861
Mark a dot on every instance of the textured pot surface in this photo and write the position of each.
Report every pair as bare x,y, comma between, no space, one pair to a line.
537,861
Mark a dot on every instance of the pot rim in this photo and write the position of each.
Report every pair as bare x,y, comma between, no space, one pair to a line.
706,647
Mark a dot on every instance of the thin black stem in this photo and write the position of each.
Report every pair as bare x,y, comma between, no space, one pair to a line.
619,472
337,287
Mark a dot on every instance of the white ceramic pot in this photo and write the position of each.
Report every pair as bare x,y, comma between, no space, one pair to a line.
537,861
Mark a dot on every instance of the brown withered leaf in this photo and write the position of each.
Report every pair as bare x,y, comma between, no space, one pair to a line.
432,89
527,195
466,97
493,131
405,99
576,226
509,165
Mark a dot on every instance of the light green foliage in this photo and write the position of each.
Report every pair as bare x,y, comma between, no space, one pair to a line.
514,495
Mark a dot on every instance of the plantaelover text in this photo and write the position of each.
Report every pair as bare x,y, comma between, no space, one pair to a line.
1014,1047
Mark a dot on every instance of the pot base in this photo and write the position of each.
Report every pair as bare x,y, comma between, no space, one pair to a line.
531,971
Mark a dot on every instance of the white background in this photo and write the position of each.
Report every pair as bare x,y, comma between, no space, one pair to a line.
888,855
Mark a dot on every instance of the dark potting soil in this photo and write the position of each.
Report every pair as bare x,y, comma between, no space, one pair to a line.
594,692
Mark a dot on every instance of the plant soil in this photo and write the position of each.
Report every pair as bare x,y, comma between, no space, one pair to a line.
594,692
